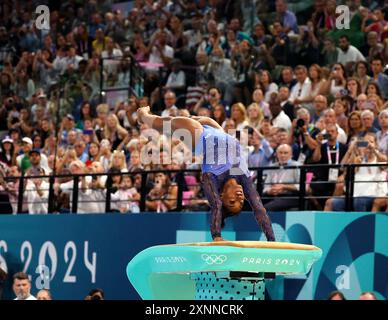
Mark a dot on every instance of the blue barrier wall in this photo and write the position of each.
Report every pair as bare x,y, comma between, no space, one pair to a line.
87,251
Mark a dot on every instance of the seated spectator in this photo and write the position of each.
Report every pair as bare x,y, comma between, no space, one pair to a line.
239,116
163,195
282,184
382,134
255,115
355,126
367,119
329,118
258,97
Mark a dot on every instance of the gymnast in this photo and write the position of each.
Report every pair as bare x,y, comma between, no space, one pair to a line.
225,174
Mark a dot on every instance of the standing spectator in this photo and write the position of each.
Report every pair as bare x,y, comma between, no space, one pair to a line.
301,91
239,116
22,286
329,151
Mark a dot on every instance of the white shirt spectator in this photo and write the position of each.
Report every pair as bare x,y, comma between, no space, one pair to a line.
30,297
282,121
37,204
111,60
301,91
74,61
156,58
176,79
352,55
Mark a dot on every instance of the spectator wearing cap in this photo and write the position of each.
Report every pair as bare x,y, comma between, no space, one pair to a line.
38,161
7,151
23,160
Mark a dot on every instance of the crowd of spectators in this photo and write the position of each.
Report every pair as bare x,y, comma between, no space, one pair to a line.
281,76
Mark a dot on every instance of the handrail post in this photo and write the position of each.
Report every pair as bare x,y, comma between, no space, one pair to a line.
180,191
20,194
51,197
302,189
74,206
143,191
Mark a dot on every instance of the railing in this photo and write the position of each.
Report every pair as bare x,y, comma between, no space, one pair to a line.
302,196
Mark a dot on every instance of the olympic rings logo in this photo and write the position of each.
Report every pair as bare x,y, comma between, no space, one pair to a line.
213,258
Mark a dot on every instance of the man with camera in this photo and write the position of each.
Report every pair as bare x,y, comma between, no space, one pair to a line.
329,151
304,135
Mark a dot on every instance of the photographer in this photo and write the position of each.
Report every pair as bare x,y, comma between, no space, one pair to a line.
328,151
304,136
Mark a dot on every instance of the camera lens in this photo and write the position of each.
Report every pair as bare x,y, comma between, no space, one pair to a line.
300,123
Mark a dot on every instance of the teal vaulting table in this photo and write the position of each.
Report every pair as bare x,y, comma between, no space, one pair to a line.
224,270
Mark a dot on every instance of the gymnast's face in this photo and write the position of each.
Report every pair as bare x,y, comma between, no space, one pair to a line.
232,196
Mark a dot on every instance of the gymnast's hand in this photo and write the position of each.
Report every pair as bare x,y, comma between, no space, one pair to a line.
218,239
142,111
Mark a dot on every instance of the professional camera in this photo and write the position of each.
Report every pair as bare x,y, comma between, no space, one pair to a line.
300,123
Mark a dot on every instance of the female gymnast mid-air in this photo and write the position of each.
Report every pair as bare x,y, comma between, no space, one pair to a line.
225,174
